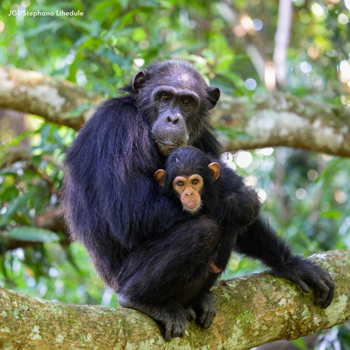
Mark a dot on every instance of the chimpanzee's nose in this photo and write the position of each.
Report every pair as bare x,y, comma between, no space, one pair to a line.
172,120
189,193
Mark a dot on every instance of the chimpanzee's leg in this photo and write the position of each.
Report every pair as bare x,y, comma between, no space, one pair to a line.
161,277
261,242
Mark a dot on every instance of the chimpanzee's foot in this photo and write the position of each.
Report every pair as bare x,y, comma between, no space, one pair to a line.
205,309
172,315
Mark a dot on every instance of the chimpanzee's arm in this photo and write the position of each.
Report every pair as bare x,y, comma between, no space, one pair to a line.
261,242
239,204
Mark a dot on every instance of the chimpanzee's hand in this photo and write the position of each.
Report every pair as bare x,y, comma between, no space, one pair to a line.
306,273
205,309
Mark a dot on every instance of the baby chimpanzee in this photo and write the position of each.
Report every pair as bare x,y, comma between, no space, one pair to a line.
204,187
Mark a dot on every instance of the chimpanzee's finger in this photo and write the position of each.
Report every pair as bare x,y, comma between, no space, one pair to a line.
324,291
304,287
330,296
168,331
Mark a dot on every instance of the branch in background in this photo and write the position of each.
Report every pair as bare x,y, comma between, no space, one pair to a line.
52,220
57,101
44,177
268,120
279,119
13,155
252,310
282,37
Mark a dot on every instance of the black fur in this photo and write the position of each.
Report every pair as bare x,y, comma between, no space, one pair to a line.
141,243
227,199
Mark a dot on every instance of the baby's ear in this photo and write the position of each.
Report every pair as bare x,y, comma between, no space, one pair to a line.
159,175
215,170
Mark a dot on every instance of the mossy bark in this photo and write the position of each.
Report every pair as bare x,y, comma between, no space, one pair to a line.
57,101
252,310
279,119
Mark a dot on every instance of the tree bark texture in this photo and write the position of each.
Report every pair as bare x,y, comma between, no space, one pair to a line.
252,310
55,100
268,120
279,119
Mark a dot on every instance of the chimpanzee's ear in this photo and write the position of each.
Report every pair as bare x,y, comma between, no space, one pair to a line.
159,175
215,170
213,96
139,79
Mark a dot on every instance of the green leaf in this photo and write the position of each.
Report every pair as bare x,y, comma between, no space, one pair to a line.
79,110
331,214
300,344
9,194
237,81
11,210
3,267
32,234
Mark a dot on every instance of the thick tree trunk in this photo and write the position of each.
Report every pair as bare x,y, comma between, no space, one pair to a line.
269,120
251,311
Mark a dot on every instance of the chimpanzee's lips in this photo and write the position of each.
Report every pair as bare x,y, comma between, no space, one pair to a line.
166,147
192,206
168,144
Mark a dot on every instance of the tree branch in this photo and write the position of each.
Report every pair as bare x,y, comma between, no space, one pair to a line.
55,100
252,310
279,119
17,154
268,120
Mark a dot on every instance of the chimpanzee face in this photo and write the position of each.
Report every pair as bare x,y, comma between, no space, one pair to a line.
175,106
176,102
188,176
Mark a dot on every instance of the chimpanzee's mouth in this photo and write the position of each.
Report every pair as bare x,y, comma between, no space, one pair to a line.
166,147
168,144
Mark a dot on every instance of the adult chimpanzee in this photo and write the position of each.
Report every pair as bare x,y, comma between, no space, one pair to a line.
140,242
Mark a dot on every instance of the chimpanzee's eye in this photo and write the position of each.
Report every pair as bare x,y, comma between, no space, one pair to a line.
180,183
186,101
195,182
164,97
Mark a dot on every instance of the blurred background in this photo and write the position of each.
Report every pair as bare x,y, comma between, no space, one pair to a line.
244,47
